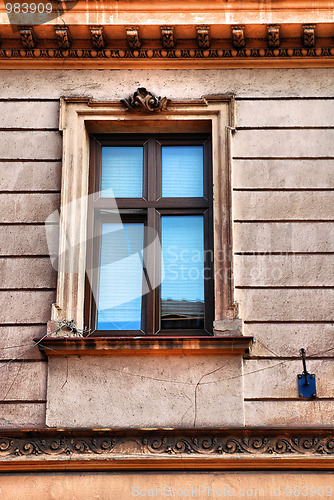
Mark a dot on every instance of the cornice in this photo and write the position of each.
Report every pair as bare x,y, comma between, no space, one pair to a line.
211,45
152,449
141,12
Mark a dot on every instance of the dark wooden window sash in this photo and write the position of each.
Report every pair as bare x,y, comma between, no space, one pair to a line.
151,207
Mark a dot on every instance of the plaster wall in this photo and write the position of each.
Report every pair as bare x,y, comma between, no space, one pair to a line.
129,485
150,392
283,164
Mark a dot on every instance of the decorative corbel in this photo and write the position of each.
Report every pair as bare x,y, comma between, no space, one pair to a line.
63,36
142,100
132,33
167,37
27,37
273,35
309,35
203,37
97,36
238,36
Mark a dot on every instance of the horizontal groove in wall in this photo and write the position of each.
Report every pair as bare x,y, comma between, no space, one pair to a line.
21,325
32,191
316,357
291,322
21,360
6,224
282,253
285,221
22,401
298,189
51,289
288,399
32,256
26,129
280,158
271,127
28,99
287,98
283,158
283,287
29,160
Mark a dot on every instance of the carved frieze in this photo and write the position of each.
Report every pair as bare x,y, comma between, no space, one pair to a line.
309,37
132,33
63,37
221,444
142,100
238,36
233,444
27,37
97,36
203,36
148,54
167,37
273,35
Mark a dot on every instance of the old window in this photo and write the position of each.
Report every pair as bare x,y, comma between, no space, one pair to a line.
148,197
150,231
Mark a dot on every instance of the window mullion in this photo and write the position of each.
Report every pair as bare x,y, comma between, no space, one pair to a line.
152,275
151,170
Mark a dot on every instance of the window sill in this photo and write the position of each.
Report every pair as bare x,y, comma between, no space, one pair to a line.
111,346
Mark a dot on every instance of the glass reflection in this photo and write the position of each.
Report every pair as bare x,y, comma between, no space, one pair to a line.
122,172
121,277
182,171
182,290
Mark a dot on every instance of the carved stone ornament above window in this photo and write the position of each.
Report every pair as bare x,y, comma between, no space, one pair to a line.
142,100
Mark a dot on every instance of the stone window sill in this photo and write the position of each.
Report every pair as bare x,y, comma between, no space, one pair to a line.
110,346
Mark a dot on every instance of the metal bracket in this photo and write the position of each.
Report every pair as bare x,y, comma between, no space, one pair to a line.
306,381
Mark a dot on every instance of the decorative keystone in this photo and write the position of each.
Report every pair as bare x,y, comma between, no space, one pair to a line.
142,100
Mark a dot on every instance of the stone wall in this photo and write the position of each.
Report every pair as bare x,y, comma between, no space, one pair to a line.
283,164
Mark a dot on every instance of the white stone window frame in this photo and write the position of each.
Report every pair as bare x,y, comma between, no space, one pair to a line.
82,116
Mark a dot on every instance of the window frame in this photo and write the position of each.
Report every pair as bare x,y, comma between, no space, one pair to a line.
82,116
155,207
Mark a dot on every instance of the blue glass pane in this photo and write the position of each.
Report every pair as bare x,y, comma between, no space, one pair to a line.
182,171
122,172
121,277
182,289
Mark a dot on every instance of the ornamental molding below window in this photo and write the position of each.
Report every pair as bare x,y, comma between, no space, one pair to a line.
213,449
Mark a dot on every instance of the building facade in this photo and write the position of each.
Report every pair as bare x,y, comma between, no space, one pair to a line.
201,398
